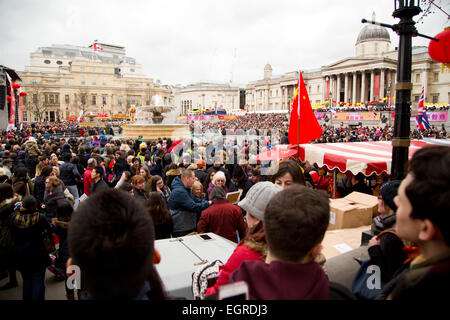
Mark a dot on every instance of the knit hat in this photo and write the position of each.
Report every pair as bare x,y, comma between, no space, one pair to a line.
29,203
258,197
217,193
389,191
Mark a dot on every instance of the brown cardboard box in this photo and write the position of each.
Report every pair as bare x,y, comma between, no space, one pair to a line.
348,214
366,199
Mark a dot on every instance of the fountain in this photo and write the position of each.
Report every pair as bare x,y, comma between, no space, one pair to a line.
151,122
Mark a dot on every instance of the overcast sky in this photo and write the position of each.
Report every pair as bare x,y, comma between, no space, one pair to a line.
182,42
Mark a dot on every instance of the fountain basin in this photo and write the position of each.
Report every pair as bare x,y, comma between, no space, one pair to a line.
155,131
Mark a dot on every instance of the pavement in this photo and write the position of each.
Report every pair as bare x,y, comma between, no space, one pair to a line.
339,247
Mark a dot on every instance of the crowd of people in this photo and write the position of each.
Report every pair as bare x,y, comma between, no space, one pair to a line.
107,200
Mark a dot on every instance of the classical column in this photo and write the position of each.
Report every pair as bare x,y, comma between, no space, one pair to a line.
354,87
425,83
345,87
338,87
372,84
382,76
363,86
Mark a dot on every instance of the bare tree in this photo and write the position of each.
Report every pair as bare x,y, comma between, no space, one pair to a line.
37,104
429,7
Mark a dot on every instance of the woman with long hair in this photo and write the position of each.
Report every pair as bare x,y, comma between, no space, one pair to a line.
162,219
148,177
157,185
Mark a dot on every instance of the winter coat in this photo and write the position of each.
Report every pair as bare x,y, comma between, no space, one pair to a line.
60,229
31,148
87,180
51,199
98,186
6,238
170,176
223,218
68,173
283,281
211,186
243,252
39,189
184,207
140,196
29,250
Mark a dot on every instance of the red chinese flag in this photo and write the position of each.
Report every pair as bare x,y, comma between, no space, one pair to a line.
307,128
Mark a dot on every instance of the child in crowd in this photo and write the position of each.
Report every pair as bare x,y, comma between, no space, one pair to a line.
295,221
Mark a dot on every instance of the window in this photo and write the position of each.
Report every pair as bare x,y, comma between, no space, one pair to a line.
66,83
435,98
25,116
120,100
66,99
417,77
94,99
35,98
435,76
34,82
83,99
56,98
59,62
416,98
83,80
47,61
131,70
93,69
318,88
104,100
94,81
104,82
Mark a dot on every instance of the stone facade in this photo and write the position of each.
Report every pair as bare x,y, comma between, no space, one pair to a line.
62,80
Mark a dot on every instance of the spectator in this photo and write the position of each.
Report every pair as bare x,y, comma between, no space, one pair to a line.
253,246
100,253
135,167
197,190
69,175
54,193
39,185
8,200
241,182
144,172
171,174
126,177
183,206
359,185
218,180
386,207
157,185
295,221
87,176
99,184
157,208
138,183
30,255
422,218
200,171
222,218
157,169
286,173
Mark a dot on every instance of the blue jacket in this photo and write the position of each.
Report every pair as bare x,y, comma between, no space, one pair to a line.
184,207
68,173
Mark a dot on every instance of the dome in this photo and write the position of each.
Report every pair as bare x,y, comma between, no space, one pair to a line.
373,32
268,67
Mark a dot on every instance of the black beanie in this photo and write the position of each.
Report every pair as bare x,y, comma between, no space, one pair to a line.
389,191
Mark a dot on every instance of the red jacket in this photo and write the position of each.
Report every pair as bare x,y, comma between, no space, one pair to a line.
223,219
240,254
87,180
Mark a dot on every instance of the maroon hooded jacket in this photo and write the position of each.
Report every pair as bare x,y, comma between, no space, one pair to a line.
283,281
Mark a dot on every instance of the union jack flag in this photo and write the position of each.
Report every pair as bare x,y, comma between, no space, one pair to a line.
422,118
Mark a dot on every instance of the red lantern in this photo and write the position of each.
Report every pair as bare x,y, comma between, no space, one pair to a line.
440,50
23,93
15,85
8,98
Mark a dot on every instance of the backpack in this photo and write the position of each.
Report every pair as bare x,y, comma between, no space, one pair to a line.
200,278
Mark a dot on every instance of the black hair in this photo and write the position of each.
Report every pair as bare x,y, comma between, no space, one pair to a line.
429,192
6,192
111,239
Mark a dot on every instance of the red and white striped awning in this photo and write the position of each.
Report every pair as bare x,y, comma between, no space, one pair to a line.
364,157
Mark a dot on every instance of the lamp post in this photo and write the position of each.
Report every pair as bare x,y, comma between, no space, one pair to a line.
405,10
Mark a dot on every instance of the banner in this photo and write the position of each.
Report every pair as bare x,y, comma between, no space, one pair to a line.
320,115
376,91
360,116
437,116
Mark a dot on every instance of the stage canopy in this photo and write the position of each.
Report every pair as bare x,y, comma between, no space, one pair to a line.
364,157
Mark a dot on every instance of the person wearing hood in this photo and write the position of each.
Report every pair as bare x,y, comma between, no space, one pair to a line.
183,206
31,257
8,200
295,221
32,152
173,172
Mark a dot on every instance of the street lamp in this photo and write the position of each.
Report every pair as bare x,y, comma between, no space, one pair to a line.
405,10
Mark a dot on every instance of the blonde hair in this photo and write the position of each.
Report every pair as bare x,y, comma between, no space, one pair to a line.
124,147
219,175
53,182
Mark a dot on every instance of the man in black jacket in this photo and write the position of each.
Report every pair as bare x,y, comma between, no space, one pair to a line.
69,175
99,184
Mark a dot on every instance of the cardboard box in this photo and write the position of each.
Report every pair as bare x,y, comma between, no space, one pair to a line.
365,199
345,213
